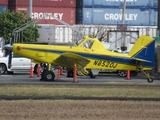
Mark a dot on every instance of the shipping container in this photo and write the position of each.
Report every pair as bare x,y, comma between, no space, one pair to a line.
55,33
64,34
3,8
108,16
4,2
44,3
65,14
117,3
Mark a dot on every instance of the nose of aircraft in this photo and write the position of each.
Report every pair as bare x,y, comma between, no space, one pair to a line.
18,47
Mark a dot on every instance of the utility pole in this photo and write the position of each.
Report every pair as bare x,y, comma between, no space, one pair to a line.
30,8
158,22
123,12
123,47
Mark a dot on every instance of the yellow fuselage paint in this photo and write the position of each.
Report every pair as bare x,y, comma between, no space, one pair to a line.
49,53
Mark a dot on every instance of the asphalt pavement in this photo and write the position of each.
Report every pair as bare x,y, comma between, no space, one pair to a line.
101,79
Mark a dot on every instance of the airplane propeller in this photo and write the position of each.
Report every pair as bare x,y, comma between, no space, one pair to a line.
10,53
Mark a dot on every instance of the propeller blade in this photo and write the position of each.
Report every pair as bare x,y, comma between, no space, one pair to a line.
10,53
10,60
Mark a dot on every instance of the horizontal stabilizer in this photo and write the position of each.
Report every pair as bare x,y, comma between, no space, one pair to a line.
141,60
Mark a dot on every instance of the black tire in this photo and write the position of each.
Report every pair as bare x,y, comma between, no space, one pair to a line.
3,69
35,69
48,76
122,73
70,73
150,80
42,68
91,75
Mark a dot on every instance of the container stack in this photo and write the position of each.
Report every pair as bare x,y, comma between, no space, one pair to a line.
109,12
62,9
3,5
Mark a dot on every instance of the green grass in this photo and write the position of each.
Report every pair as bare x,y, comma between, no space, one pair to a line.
80,90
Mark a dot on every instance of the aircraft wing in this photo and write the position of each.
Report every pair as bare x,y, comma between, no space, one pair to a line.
70,59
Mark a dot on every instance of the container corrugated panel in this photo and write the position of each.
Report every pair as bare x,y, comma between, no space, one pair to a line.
55,33
117,3
65,14
107,16
44,3
4,2
3,8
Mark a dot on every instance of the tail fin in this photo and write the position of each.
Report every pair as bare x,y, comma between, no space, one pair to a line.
143,50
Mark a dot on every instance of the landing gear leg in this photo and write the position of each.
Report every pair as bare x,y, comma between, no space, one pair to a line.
48,75
149,79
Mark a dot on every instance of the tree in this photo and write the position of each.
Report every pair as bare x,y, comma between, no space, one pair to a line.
10,20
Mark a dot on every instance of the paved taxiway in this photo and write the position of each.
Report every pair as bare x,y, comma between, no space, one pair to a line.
101,79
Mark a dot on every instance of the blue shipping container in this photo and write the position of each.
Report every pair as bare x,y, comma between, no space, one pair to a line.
118,3
3,8
108,16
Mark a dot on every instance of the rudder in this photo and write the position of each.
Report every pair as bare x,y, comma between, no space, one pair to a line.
143,50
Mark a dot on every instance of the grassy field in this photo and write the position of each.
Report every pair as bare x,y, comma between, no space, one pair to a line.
80,90
79,109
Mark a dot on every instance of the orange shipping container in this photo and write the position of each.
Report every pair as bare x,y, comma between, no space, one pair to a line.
65,14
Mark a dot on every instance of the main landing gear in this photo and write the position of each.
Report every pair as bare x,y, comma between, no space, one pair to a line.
48,74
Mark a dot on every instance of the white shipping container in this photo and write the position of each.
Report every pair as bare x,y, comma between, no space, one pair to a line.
54,34
64,34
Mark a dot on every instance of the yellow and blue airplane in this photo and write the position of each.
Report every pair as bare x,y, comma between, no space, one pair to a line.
90,56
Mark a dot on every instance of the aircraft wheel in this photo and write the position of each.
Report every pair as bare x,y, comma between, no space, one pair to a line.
42,68
48,76
35,68
122,73
91,75
70,73
3,68
150,80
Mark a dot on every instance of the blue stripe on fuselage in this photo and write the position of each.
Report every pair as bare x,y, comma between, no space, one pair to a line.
92,56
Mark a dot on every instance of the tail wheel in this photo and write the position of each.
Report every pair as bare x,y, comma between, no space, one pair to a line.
3,68
150,80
